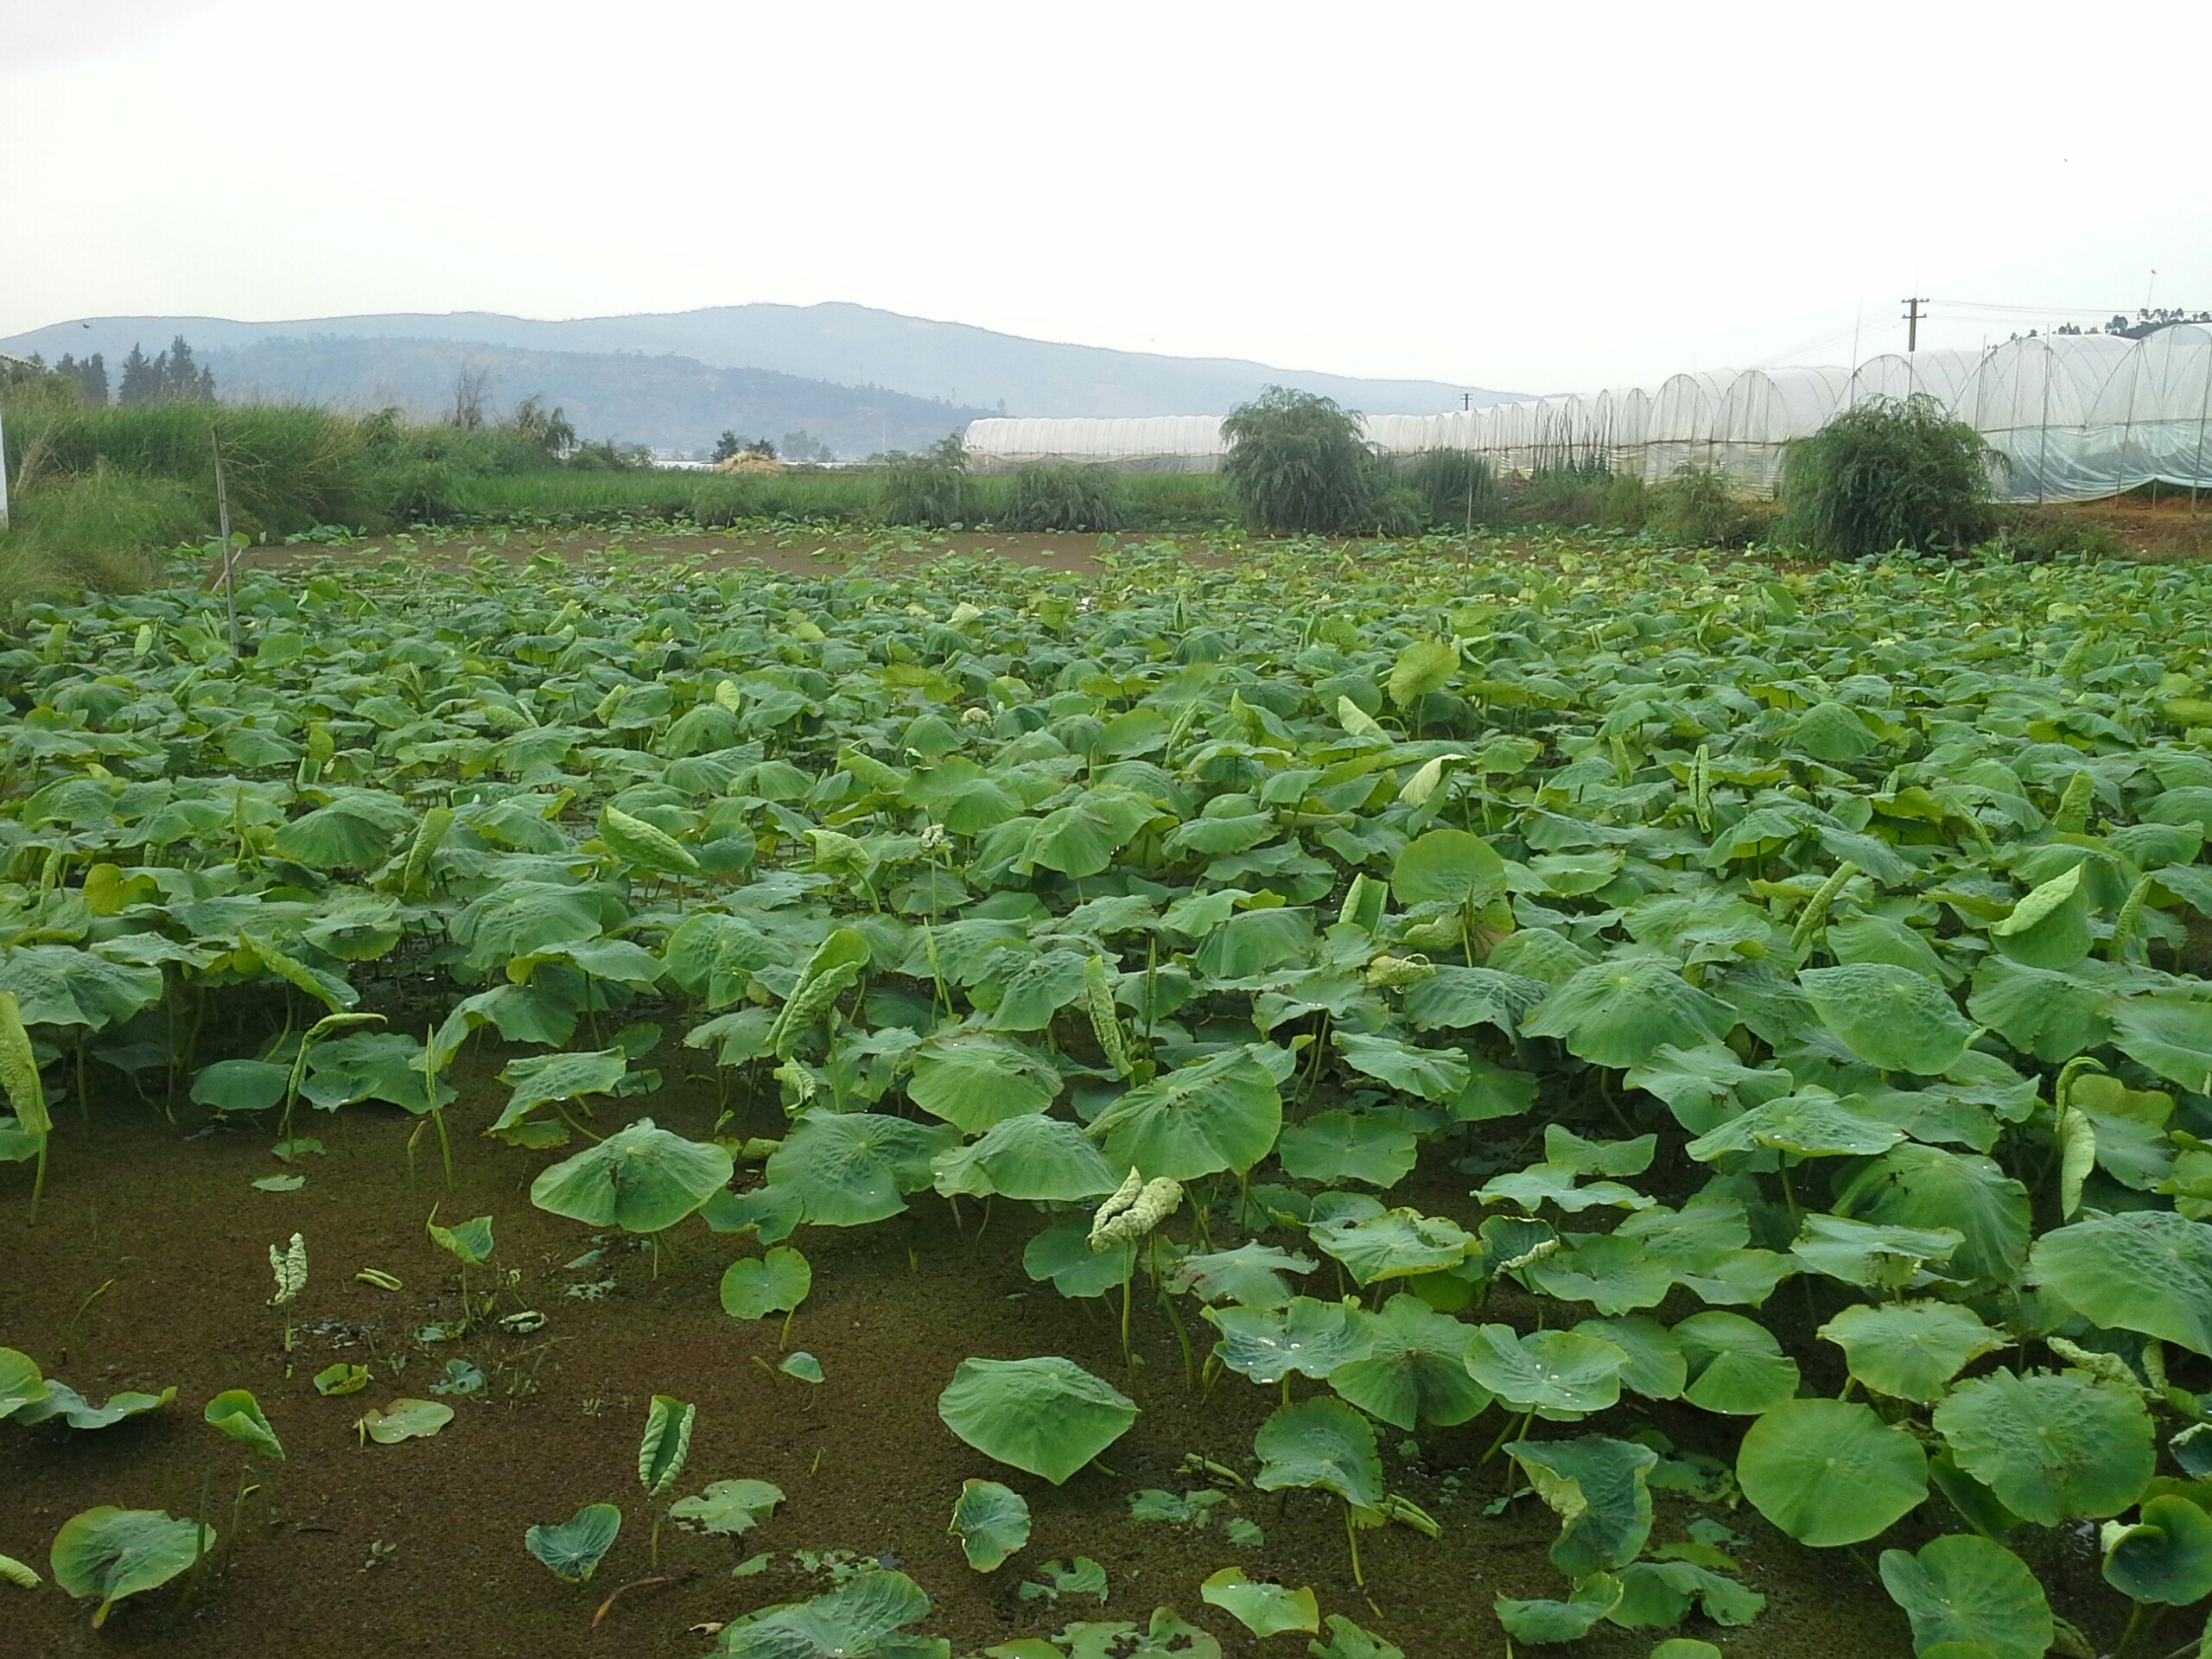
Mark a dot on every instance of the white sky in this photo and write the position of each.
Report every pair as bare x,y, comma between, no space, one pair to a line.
1535,197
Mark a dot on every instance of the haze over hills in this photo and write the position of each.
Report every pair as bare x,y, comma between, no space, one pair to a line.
630,366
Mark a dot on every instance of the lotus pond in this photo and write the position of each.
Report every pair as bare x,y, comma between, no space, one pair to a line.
1425,1100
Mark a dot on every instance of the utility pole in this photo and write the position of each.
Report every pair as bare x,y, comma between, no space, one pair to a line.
1912,324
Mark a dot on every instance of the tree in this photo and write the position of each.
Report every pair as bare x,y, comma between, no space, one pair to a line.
1297,462
1888,474
90,375
142,382
472,390
726,445
180,375
550,429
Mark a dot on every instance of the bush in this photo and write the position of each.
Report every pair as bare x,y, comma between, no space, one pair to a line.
1457,487
1888,474
2033,535
930,488
1058,496
1694,508
1626,504
1298,463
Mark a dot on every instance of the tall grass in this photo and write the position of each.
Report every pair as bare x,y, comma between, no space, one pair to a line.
1056,496
1457,487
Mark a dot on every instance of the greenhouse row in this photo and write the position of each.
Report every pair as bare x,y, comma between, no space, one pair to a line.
2069,417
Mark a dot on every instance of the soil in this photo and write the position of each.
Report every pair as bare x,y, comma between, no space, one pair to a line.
148,1270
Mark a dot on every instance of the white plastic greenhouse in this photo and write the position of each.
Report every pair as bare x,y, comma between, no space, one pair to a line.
2071,417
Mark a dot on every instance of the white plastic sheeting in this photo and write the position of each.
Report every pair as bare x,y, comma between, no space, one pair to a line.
2071,417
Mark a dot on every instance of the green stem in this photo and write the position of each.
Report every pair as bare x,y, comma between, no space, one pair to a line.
1126,1283
1351,1537
38,1181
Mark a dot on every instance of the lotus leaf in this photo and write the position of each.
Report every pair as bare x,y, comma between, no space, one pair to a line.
63,1401
238,1414
1968,1593
754,1286
1264,1609
1250,1274
1322,1444
2052,1448
847,1169
991,1521
640,1179
1600,1489
110,1554
1415,1368
1310,1337
1348,1145
2165,1556
1909,1351
1735,1364
1540,1622
1046,1416
859,1619
730,1507
2147,1270
1219,1113
1029,1156
974,1081
1621,1012
573,1549
1830,1472
404,1419
1889,1016
1557,1375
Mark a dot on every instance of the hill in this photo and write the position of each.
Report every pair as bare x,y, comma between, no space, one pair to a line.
850,345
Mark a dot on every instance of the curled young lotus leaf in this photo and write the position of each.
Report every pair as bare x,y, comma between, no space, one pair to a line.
238,1414
1046,1416
666,1443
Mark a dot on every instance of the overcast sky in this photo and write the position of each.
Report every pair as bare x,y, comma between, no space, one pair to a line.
1532,197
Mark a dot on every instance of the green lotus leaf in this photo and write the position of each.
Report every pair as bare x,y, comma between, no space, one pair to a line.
731,1508
1330,1147
1448,867
2049,928
2171,1035
238,1414
1613,1274
1321,1443
1833,732
58,985
1425,1073
1048,1416
2052,1448
1063,1254
110,1554
1415,1368
1621,1012
1830,1472
470,1243
1655,1368
1539,1621
1395,1244
1252,942
2146,1270
1460,999
404,1419
241,1085
1560,1376
1931,1189
1735,1364
643,846
541,1079
991,1521
848,1169
1219,1113
1600,1490
1308,1336
573,1549
1348,1641
1031,1157
2053,1016
1250,1274
1264,1609
1424,667
1813,1124
1968,1592
754,1286
1909,1351
640,1179
1080,839
859,1619
1658,1595
1872,1257
1889,1016
2165,1556
350,835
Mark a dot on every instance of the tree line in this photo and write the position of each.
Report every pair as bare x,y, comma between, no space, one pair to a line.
170,376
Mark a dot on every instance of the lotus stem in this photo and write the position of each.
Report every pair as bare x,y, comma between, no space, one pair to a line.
1127,1361
1351,1537
38,1180
784,1337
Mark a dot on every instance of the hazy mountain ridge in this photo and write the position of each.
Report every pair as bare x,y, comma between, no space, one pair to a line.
849,345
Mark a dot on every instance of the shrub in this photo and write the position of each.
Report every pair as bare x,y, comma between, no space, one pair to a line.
1457,487
2035,533
1297,462
1570,495
1694,508
1887,475
1058,496
1626,504
930,488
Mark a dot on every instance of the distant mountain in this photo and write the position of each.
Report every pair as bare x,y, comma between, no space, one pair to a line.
851,345
665,402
